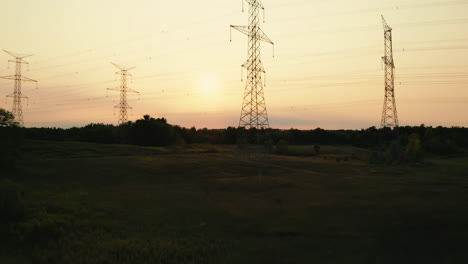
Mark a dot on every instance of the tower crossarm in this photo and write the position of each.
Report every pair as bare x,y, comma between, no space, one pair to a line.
255,3
17,96
386,27
255,33
122,68
127,107
124,73
18,56
16,77
118,89
129,90
8,77
26,79
19,60
258,68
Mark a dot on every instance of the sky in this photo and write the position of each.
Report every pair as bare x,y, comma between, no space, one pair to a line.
326,72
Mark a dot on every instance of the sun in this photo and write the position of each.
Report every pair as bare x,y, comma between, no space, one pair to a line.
209,92
208,84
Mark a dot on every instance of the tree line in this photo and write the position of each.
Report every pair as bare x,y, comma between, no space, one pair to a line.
149,131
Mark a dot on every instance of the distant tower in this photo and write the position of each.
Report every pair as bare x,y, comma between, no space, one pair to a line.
18,78
254,112
123,89
389,113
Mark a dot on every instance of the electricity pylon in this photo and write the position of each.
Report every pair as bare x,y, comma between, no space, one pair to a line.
123,89
389,113
18,78
254,112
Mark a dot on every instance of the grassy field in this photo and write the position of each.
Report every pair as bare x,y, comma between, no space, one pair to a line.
89,203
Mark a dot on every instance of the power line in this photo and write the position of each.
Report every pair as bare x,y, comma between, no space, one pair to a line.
375,10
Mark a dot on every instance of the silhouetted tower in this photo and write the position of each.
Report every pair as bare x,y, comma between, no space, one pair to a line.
389,113
123,89
18,78
254,112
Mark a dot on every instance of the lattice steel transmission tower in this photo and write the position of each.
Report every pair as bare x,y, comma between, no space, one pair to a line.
389,113
254,112
123,89
17,95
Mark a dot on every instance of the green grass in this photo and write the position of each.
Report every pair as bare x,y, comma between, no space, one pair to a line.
90,203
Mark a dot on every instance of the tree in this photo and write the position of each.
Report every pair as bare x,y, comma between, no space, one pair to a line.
7,119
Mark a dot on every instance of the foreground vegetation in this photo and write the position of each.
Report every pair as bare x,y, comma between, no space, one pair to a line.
76,202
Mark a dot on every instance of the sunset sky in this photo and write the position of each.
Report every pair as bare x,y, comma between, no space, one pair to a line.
326,73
